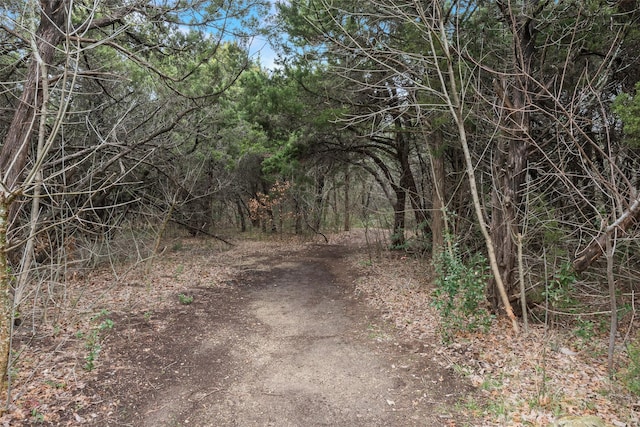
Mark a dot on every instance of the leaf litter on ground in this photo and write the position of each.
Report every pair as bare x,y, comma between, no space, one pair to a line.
528,380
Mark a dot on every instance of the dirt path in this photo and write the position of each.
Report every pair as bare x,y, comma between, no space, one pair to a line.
286,345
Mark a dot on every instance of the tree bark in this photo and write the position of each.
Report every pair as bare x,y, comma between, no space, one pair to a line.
613,326
243,219
5,294
318,202
15,152
437,196
407,180
399,222
299,215
510,165
408,183
15,149
347,188
509,174
596,248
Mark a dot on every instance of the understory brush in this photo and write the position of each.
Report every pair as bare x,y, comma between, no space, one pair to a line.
94,337
459,296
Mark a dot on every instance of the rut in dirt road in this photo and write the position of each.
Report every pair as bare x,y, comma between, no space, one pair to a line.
288,346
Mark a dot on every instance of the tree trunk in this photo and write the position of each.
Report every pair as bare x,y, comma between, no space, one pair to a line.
347,188
457,112
318,205
613,326
160,235
398,238
299,215
243,219
511,156
408,182
5,294
437,197
335,208
15,149
509,174
15,152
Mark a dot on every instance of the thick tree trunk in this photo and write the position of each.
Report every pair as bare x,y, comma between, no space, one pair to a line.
509,173
15,149
511,157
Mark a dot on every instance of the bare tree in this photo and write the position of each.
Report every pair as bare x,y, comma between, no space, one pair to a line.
79,129
440,83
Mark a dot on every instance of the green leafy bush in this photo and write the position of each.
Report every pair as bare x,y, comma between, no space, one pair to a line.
460,292
559,292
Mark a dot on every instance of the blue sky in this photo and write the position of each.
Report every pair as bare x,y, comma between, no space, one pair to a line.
260,47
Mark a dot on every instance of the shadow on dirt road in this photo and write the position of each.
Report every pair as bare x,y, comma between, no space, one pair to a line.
286,345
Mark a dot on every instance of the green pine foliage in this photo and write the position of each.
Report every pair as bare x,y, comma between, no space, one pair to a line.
627,107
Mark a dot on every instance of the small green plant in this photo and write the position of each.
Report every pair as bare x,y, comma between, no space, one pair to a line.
584,329
185,299
558,292
398,241
366,263
93,338
498,408
469,404
587,333
460,292
54,384
179,269
147,315
630,376
37,416
377,333
550,401
89,359
491,384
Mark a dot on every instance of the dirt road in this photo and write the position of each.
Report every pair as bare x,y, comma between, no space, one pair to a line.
286,344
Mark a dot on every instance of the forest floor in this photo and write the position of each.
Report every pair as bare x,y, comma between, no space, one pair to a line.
289,333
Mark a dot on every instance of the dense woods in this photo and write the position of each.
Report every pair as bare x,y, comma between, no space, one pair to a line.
506,129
